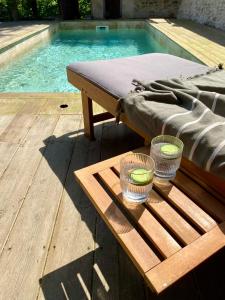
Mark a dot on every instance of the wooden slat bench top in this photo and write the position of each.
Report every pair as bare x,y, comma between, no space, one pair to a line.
180,226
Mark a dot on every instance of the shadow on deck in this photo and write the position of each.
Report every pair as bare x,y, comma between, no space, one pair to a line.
105,272
210,33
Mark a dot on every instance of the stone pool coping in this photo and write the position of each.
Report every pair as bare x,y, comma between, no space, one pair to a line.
12,34
16,38
206,44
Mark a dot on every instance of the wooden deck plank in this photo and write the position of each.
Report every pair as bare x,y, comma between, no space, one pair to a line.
54,100
193,212
95,168
52,106
9,107
131,285
71,253
41,130
31,106
17,179
204,199
210,277
17,129
5,120
117,142
44,98
106,282
22,103
204,42
156,233
185,289
21,123
67,129
105,276
35,224
118,139
7,150
163,275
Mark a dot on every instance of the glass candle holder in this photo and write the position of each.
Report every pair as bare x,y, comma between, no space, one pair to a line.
136,177
166,151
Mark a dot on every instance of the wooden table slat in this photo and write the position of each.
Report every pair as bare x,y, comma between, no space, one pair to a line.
157,234
140,253
179,264
180,227
184,204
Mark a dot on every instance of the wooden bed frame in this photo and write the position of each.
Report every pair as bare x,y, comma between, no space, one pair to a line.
91,92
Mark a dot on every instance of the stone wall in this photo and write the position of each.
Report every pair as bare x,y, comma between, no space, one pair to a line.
149,8
134,9
210,12
204,11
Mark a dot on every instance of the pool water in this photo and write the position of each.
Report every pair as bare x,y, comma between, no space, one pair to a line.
43,69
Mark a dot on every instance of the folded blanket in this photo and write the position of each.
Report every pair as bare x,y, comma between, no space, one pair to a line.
192,109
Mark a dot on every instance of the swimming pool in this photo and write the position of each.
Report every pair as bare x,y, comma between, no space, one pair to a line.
43,69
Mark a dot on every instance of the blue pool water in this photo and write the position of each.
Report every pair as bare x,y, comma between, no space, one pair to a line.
43,69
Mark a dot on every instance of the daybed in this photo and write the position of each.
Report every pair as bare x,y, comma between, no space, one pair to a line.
106,81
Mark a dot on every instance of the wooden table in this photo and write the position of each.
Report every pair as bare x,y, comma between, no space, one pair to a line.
180,226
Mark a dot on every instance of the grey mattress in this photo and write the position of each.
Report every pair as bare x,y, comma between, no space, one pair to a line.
115,76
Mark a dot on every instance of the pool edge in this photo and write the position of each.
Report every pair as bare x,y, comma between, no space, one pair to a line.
21,45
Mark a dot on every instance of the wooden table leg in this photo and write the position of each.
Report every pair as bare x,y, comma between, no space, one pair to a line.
147,142
88,116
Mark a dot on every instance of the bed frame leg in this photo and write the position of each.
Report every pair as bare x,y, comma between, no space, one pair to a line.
88,116
147,142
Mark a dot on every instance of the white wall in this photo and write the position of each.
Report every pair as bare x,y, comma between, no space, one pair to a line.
210,12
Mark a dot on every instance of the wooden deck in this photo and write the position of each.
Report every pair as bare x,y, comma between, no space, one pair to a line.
53,245
204,42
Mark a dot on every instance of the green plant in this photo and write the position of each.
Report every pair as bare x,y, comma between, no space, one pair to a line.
4,12
85,8
48,8
28,9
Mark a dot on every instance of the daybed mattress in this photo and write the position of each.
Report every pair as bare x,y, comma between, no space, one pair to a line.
115,76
